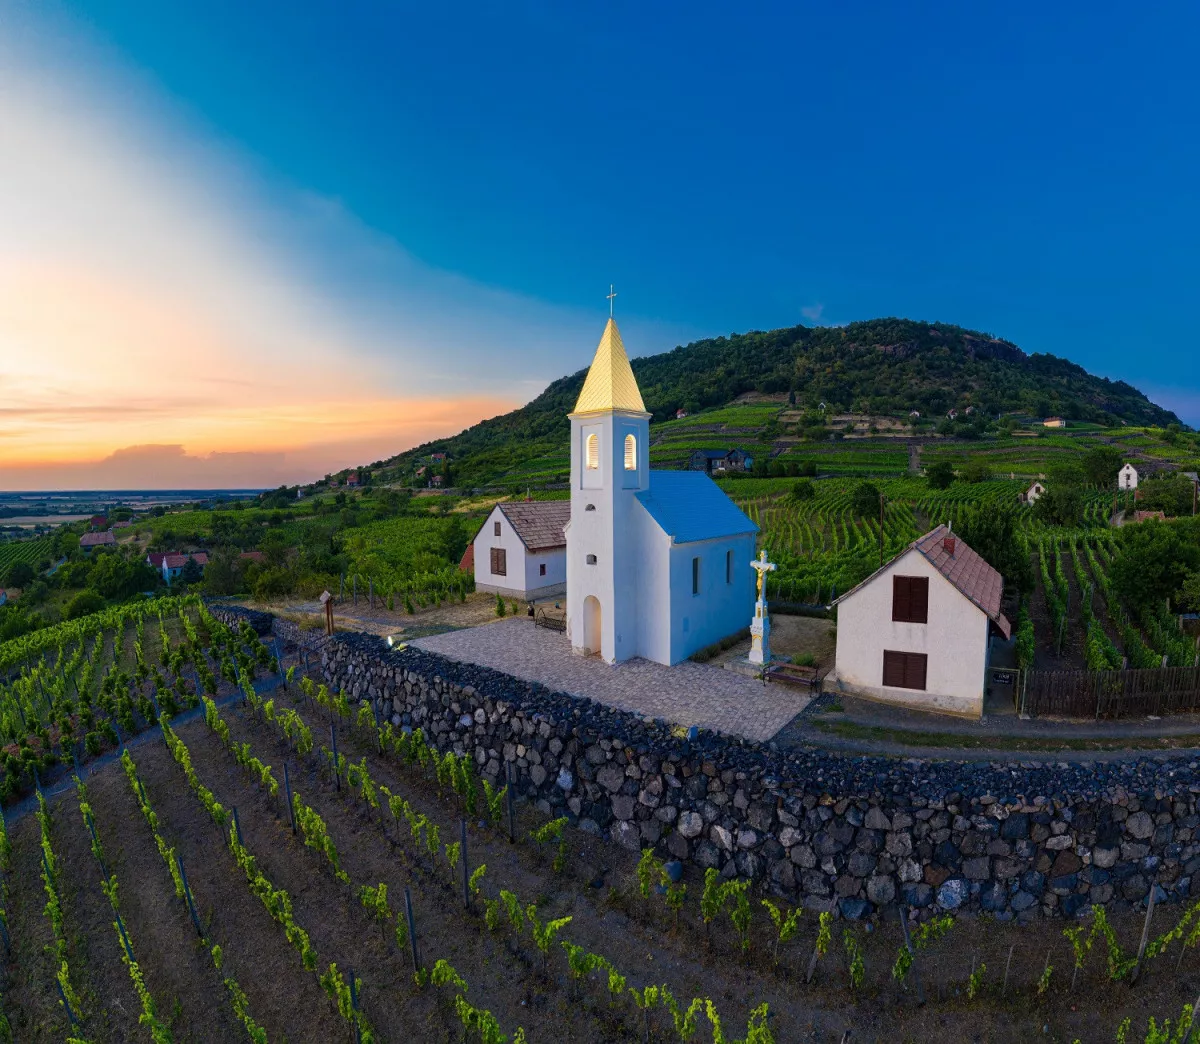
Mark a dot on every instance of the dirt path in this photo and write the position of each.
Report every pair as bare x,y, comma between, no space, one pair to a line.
114,1005
178,971
30,999
285,999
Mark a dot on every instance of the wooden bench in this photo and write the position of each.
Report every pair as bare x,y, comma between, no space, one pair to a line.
791,674
551,620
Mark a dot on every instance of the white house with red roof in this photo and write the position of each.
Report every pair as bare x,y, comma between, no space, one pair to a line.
171,563
520,550
918,632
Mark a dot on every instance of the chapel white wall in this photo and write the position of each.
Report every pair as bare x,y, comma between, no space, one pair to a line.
720,609
955,640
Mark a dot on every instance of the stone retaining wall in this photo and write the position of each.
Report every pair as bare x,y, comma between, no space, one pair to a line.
1021,841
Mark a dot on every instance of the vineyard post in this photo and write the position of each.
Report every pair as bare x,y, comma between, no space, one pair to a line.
187,895
354,1007
67,1005
508,801
1137,968
412,929
337,776
1007,965
287,789
462,831
1191,1022
237,826
378,727
124,937
916,973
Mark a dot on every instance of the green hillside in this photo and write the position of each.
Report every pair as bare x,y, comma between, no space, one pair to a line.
883,367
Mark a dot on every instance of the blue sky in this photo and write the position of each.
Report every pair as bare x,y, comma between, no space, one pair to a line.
476,175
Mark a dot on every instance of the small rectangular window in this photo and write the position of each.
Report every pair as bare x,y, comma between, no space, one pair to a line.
496,528
499,562
591,559
695,576
903,670
729,567
542,569
910,599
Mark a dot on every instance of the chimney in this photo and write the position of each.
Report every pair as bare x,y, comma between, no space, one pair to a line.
949,543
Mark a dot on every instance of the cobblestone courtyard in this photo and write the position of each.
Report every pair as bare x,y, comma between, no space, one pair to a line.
686,694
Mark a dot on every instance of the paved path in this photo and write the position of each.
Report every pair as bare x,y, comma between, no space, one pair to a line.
686,694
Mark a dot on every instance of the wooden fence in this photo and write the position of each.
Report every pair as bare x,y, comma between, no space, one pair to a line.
1110,694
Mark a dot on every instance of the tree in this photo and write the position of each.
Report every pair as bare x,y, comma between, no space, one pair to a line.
804,490
1190,592
223,574
19,574
866,500
977,470
1171,494
994,535
940,475
808,468
83,604
1153,562
191,573
1060,506
1101,465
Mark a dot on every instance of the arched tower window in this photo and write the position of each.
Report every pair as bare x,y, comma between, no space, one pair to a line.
630,453
592,454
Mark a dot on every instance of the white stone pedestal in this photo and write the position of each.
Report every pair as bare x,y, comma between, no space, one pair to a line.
760,635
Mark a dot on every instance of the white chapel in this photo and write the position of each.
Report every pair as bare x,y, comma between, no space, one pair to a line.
658,562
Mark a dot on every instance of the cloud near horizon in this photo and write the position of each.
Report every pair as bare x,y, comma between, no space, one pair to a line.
157,292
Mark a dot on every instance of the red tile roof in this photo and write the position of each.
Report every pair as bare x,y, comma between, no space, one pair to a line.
966,570
178,561
97,539
1145,516
467,563
155,558
538,523
253,556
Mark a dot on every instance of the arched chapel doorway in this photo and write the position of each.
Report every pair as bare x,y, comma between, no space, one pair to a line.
591,624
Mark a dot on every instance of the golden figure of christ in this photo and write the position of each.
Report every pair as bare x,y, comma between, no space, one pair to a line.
762,567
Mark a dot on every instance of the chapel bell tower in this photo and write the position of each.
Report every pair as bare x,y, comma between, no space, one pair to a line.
610,465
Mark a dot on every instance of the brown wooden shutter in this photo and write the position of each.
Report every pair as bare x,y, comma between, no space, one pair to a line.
900,598
893,670
915,669
918,600
910,599
905,670
499,561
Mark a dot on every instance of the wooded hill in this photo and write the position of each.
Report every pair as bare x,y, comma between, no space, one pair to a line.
882,366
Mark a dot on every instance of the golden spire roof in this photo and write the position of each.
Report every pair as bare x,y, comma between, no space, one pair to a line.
610,383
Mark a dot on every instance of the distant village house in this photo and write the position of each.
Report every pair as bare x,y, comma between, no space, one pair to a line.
1054,422
680,414
171,563
718,462
90,541
1127,478
1033,493
918,632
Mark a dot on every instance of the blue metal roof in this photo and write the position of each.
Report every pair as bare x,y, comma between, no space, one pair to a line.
688,505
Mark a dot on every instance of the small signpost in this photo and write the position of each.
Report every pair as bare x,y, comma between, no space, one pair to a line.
327,601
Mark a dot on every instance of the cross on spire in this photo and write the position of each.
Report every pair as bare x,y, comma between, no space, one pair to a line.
611,294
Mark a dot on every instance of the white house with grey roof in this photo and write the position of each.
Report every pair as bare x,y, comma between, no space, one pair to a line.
520,550
658,562
918,631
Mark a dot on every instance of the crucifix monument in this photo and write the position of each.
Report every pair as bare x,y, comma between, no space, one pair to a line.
760,626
